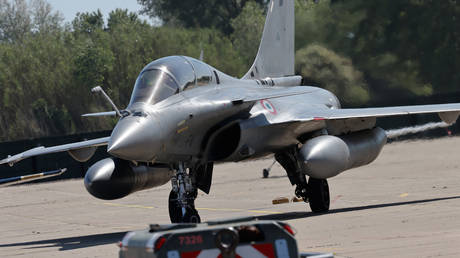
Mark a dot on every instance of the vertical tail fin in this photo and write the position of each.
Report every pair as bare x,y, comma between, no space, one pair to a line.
275,57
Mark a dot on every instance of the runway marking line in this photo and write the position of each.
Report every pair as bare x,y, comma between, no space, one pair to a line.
207,209
403,195
237,210
128,205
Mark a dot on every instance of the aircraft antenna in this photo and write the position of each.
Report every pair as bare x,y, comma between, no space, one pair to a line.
201,52
201,55
99,89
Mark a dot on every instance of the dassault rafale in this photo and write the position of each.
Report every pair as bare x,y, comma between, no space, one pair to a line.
185,115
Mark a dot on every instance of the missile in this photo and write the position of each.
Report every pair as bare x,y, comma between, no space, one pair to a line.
30,178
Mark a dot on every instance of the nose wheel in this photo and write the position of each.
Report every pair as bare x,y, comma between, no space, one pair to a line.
181,202
175,211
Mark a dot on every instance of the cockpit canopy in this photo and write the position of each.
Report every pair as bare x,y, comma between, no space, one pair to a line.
167,76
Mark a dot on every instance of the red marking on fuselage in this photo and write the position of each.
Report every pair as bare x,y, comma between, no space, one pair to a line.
267,105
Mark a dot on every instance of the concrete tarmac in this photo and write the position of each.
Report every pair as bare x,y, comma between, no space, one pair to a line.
405,204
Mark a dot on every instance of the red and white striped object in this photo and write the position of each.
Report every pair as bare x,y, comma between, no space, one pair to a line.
253,251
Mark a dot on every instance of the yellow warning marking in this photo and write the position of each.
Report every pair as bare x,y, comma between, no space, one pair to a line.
280,200
29,177
182,129
128,205
296,199
181,123
322,250
403,195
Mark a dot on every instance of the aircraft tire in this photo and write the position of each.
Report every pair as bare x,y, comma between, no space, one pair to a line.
319,199
175,213
265,173
191,216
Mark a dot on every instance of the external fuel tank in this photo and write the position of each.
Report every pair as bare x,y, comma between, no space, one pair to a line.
114,178
327,155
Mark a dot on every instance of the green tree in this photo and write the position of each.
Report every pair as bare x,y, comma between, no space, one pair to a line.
409,47
247,31
21,17
196,13
15,20
130,41
88,22
322,67
48,71
360,50
44,18
32,86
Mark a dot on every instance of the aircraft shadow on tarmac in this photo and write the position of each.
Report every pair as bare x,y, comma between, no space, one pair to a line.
70,243
299,215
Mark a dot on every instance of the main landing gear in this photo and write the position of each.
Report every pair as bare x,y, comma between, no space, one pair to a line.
319,195
315,191
182,197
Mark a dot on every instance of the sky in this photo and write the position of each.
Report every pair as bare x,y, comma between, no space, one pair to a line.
69,8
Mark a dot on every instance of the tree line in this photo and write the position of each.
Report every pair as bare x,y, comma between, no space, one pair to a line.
360,50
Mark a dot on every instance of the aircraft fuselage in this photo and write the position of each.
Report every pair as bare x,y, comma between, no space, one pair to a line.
214,122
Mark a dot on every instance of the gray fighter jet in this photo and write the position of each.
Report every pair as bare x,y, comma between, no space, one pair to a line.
185,115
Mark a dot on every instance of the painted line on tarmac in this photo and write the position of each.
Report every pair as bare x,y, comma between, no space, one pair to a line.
323,251
128,205
239,210
403,195
206,209
336,198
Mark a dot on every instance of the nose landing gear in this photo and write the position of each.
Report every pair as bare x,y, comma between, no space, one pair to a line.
182,197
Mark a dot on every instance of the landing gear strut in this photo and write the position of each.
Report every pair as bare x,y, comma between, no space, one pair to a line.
315,191
182,197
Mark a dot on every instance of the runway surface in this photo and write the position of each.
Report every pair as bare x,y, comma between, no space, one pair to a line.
405,204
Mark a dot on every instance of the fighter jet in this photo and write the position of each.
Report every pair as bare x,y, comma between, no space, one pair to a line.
185,115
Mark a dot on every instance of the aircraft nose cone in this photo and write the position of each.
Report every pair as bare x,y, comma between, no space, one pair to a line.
132,139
